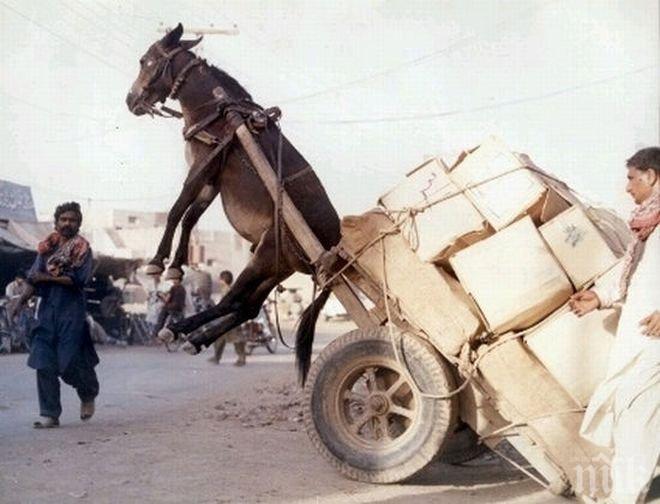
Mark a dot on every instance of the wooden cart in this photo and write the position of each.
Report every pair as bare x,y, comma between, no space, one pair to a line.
384,400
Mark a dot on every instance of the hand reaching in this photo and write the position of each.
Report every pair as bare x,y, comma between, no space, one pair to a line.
651,325
584,302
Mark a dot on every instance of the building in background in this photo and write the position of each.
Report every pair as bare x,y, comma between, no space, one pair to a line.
136,235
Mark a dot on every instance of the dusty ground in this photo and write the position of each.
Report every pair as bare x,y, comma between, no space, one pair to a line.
175,428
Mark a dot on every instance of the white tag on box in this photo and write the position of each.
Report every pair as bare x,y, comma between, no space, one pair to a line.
578,246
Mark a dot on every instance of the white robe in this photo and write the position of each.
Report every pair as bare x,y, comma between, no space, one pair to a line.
624,410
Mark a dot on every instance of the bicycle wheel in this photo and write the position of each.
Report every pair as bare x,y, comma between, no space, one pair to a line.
271,344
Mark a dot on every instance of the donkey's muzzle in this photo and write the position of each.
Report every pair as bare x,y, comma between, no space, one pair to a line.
135,104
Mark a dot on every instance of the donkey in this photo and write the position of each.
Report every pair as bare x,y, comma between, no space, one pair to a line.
169,68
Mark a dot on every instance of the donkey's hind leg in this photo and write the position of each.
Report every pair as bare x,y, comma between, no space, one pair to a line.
201,203
260,268
248,309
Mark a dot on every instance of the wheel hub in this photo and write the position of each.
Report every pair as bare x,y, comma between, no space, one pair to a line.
378,404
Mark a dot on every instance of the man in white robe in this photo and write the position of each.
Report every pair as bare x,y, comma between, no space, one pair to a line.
623,413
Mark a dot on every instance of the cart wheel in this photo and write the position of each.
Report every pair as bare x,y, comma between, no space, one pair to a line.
363,414
463,446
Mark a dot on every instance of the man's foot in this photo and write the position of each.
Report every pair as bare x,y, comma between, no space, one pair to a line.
86,410
46,422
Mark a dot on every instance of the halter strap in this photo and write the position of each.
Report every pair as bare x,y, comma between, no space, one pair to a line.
181,77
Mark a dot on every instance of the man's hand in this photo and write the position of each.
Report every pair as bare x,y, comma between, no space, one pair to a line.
584,302
651,325
39,277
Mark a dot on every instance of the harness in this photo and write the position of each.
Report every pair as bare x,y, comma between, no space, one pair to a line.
233,114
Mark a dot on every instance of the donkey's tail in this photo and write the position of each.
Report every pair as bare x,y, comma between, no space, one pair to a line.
305,334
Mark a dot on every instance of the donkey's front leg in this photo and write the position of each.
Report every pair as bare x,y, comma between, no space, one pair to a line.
187,196
201,203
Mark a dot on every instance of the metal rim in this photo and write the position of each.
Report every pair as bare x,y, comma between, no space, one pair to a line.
376,405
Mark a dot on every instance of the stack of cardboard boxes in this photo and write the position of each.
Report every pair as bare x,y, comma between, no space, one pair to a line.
519,250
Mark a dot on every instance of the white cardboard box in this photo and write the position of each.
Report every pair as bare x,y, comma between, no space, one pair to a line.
513,277
575,349
434,231
497,184
578,246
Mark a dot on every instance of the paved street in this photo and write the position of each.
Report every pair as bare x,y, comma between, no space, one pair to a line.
176,428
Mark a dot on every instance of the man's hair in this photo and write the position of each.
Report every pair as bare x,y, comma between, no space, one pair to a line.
70,206
646,159
227,276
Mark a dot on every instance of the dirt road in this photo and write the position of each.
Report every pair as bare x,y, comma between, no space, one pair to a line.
175,428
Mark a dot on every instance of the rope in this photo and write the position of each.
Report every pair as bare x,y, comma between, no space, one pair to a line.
526,422
515,464
409,214
471,368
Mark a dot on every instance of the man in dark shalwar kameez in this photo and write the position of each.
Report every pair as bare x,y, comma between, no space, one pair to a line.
61,343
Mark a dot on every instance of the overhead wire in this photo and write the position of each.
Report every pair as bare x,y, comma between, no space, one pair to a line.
104,28
416,61
64,39
46,109
455,112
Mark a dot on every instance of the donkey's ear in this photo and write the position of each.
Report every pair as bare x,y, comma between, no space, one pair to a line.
172,37
189,44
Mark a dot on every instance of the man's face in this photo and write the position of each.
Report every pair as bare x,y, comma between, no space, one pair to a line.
640,184
68,224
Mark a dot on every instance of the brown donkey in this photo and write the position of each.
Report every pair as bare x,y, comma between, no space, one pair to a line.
169,68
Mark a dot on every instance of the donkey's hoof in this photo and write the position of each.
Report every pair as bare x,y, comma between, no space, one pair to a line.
153,269
188,347
173,274
166,335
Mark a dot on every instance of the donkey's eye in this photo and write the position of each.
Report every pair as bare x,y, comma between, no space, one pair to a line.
149,63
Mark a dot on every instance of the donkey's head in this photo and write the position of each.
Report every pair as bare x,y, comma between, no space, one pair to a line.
157,74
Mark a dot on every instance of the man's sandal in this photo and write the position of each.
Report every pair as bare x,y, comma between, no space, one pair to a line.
46,422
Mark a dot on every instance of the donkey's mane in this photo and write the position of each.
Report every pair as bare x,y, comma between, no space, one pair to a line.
230,84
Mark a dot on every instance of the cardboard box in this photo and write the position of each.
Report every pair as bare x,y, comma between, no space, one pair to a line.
575,349
513,277
497,183
438,230
578,246
524,392
426,296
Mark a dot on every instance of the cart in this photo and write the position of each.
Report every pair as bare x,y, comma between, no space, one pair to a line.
383,401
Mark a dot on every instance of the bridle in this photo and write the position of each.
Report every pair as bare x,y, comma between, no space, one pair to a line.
165,71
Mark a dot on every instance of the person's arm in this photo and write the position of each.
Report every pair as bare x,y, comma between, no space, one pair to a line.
81,275
608,288
604,294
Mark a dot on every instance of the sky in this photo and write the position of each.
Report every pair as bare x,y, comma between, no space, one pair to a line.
368,89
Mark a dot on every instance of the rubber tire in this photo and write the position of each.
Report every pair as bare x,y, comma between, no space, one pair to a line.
425,438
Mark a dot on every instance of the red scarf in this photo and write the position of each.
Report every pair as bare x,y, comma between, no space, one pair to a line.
643,221
69,253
